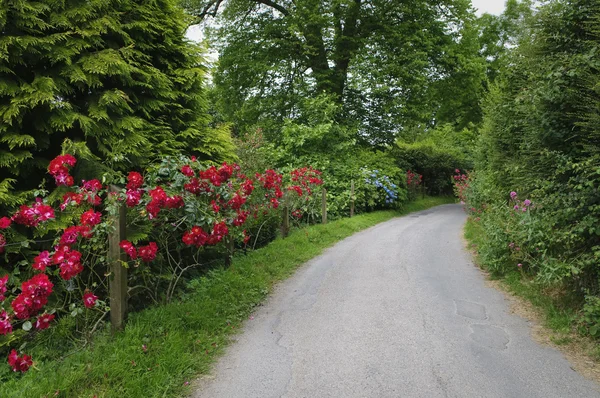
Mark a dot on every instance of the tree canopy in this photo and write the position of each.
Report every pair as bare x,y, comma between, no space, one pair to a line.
391,64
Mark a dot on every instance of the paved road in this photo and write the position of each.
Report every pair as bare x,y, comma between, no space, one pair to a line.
397,310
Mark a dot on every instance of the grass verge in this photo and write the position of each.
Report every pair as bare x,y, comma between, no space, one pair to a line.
554,313
164,347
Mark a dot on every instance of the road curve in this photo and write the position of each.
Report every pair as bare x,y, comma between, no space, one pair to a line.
398,310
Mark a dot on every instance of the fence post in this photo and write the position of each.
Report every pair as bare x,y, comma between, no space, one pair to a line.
229,248
117,283
285,225
324,206
352,198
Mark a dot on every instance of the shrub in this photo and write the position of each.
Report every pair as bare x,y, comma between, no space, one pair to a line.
119,76
182,214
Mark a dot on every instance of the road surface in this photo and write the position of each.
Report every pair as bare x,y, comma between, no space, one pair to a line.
398,310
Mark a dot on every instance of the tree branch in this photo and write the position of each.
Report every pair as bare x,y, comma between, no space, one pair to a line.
274,5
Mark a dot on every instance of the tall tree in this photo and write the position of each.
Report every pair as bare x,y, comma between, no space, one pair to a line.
117,76
379,58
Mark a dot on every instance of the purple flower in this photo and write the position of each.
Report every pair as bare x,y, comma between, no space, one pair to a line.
520,265
516,207
513,195
527,202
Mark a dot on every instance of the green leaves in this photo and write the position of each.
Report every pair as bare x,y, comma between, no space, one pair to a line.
118,77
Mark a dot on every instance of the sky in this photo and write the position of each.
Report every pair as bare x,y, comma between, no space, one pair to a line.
490,6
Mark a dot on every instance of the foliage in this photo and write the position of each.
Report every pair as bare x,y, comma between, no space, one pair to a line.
274,54
164,346
118,76
435,163
319,139
180,215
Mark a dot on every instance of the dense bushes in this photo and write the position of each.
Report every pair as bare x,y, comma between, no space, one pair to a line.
118,76
541,139
317,137
434,163
181,216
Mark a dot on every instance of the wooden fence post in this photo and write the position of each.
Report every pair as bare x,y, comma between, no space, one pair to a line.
352,199
285,225
324,206
117,283
229,247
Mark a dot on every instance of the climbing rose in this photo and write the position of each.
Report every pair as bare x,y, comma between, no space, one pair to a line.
19,364
129,249
159,200
247,187
148,253
196,237
175,202
41,261
187,170
34,215
240,218
5,222
34,295
69,236
218,233
43,321
71,197
134,180
215,206
89,299
91,218
5,325
68,260
236,201
59,171
3,282
246,237
133,197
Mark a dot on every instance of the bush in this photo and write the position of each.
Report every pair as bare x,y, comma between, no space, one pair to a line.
182,215
435,164
119,76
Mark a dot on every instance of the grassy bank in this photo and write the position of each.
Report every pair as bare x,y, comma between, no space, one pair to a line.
164,347
557,311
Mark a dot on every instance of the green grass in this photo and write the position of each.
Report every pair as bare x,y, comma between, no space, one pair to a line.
185,337
559,313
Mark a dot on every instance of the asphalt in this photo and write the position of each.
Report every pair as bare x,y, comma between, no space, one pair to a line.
398,310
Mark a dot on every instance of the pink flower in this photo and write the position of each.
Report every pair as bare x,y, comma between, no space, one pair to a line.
187,171
134,180
43,321
148,253
5,222
128,248
520,265
41,261
19,364
89,299
516,207
3,287
91,218
5,325
513,195
527,202
133,197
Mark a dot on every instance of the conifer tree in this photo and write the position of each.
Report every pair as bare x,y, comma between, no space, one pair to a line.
117,76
